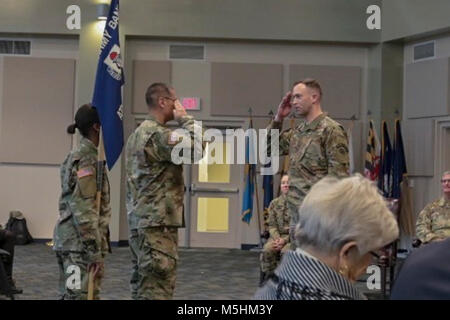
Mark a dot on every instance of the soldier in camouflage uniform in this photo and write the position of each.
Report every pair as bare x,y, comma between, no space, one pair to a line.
81,235
317,147
278,242
433,223
155,193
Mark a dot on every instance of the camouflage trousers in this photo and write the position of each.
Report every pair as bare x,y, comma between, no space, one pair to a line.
293,207
154,255
270,258
74,276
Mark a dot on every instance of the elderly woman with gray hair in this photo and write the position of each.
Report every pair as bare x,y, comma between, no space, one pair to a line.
341,224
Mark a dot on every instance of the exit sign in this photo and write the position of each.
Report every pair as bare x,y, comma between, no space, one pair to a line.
191,103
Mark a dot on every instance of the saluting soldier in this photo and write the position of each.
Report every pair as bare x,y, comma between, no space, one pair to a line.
81,238
317,147
155,193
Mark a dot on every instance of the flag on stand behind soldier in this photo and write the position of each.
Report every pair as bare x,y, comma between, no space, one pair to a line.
249,176
385,175
108,87
400,184
268,197
399,162
350,149
373,150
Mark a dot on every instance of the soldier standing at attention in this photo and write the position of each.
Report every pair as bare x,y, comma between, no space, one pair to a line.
155,193
81,238
278,242
317,147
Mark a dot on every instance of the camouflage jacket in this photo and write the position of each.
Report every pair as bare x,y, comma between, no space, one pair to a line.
279,218
433,223
315,150
155,184
80,228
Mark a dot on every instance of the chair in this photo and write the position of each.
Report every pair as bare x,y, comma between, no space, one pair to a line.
389,257
5,286
387,263
416,243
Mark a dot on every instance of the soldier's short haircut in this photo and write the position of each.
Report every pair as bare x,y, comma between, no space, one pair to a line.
154,91
336,211
446,173
85,118
311,83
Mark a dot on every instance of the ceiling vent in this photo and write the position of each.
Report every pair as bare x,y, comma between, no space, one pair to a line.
15,47
187,52
424,51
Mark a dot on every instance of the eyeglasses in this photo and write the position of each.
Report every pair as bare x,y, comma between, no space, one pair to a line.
445,180
170,98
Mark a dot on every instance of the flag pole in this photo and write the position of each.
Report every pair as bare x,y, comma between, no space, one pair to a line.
98,201
352,122
257,208
253,173
107,98
265,209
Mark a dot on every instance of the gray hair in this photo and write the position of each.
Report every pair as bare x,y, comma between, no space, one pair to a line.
338,211
446,173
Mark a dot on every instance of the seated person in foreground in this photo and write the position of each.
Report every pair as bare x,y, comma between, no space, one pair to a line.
278,242
425,274
341,224
433,223
7,243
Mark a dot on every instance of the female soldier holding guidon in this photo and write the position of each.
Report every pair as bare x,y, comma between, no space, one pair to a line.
81,232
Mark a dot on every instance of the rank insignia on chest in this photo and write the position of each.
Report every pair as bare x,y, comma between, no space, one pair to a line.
84,172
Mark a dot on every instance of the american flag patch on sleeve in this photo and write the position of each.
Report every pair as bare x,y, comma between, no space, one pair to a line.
84,172
174,137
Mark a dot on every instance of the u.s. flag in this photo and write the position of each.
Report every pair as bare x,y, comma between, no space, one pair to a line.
108,87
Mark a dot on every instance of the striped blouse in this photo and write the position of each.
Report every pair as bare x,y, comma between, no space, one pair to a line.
302,277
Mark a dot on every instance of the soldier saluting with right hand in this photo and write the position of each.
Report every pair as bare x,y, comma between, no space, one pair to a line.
317,147
155,193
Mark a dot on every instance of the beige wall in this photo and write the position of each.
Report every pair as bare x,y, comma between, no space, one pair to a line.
425,175
39,209
333,20
410,18
216,51
34,189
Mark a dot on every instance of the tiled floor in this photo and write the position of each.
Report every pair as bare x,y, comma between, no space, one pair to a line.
203,274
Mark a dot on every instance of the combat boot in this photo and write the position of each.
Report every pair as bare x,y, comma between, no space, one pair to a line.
14,289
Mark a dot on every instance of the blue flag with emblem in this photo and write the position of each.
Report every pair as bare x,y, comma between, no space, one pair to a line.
108,87
249,174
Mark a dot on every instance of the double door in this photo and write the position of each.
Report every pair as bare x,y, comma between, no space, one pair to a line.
212,206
